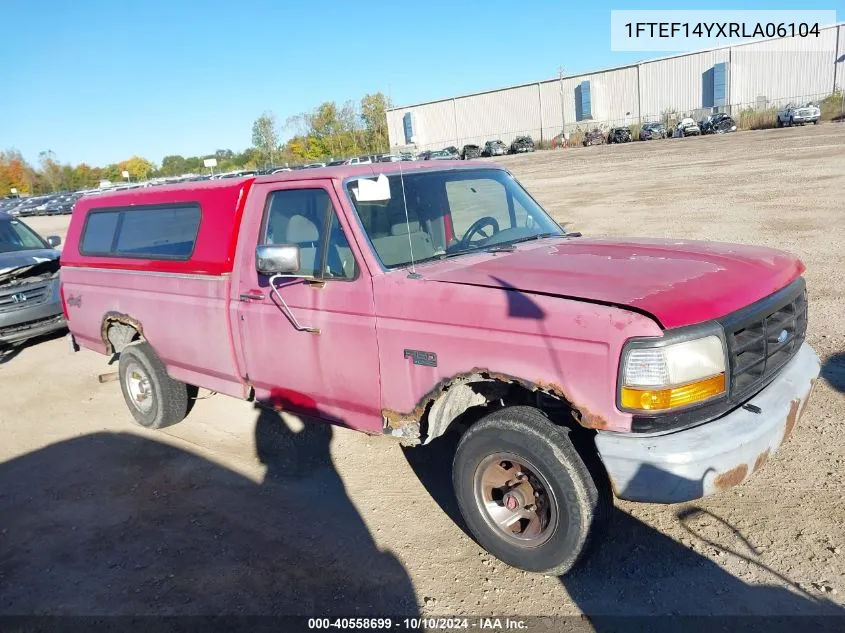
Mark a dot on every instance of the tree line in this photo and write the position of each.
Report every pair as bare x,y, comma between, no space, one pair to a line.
329,131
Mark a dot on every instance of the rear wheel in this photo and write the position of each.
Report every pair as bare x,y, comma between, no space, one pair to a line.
154,398
524,491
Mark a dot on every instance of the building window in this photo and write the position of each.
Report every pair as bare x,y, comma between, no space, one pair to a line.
583,102
720,84
714,86
408,127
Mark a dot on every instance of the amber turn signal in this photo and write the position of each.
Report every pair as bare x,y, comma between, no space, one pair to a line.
671,397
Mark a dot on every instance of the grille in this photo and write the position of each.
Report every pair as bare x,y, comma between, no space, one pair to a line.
22,297
763,338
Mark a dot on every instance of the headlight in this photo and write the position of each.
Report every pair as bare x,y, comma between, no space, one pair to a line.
656,376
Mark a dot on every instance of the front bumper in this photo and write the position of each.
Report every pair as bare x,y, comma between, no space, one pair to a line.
806,119
715,456
35,320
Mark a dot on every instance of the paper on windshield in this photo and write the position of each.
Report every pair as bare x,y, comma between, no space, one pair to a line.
369,190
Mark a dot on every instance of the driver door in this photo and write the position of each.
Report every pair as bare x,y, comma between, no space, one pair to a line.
331,374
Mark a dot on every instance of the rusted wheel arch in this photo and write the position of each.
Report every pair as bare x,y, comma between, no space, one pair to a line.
480,390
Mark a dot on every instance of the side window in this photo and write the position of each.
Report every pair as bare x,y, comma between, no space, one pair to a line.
473,199
154,232
306,218
166,233
99,233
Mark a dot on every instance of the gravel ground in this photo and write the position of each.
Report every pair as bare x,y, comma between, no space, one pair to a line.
237,511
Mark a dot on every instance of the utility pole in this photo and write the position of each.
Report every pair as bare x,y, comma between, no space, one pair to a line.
562,115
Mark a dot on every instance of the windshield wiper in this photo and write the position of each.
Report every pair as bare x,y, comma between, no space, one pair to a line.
539,236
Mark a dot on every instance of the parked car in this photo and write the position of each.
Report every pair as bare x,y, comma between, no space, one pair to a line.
521,145
314,165
594,137
241,173
560,141
359,160
301,300
453,152
470,151
686,127
29,206
435,155
619,135
29,283
719,123
494,148
389,158
652,130
799,115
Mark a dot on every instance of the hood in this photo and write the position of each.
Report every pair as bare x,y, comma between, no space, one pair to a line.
22,265
678,282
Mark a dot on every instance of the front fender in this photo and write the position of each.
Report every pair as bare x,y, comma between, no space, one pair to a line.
435,336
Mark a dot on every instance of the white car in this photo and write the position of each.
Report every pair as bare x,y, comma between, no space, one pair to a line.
359,160
793,115
687,127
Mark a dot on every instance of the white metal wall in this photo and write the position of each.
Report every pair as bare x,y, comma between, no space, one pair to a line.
613,94
783,70
676,83
503,114
778,70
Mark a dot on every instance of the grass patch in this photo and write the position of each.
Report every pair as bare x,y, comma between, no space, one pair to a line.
751,119
832,107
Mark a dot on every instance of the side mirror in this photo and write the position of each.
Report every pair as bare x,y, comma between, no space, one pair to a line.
54,240
277,259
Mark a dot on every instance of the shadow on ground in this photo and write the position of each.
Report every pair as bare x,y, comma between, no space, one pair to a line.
834,371
119,524
9,352
635,569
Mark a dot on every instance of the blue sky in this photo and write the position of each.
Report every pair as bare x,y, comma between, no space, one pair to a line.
97,82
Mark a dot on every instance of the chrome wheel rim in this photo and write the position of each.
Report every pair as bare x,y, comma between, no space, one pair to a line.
515,499
139,388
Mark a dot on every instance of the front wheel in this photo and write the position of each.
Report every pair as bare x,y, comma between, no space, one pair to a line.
154,398
524,491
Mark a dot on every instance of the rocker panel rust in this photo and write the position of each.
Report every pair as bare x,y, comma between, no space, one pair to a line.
407,425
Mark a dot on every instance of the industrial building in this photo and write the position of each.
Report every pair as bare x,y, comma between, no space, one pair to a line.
759,74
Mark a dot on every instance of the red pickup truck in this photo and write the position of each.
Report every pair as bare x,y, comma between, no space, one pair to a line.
409,300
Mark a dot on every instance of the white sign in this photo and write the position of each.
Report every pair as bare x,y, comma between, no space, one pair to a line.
14,190
124,173
210,162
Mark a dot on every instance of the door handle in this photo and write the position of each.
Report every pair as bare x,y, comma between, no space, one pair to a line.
252,296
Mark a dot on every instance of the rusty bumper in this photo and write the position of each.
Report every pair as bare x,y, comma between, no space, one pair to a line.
700,461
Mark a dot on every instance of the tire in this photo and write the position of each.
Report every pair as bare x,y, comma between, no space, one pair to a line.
816,122
492,446
162,401
778,122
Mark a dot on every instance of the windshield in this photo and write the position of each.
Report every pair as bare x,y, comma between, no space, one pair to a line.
17,236
450,212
